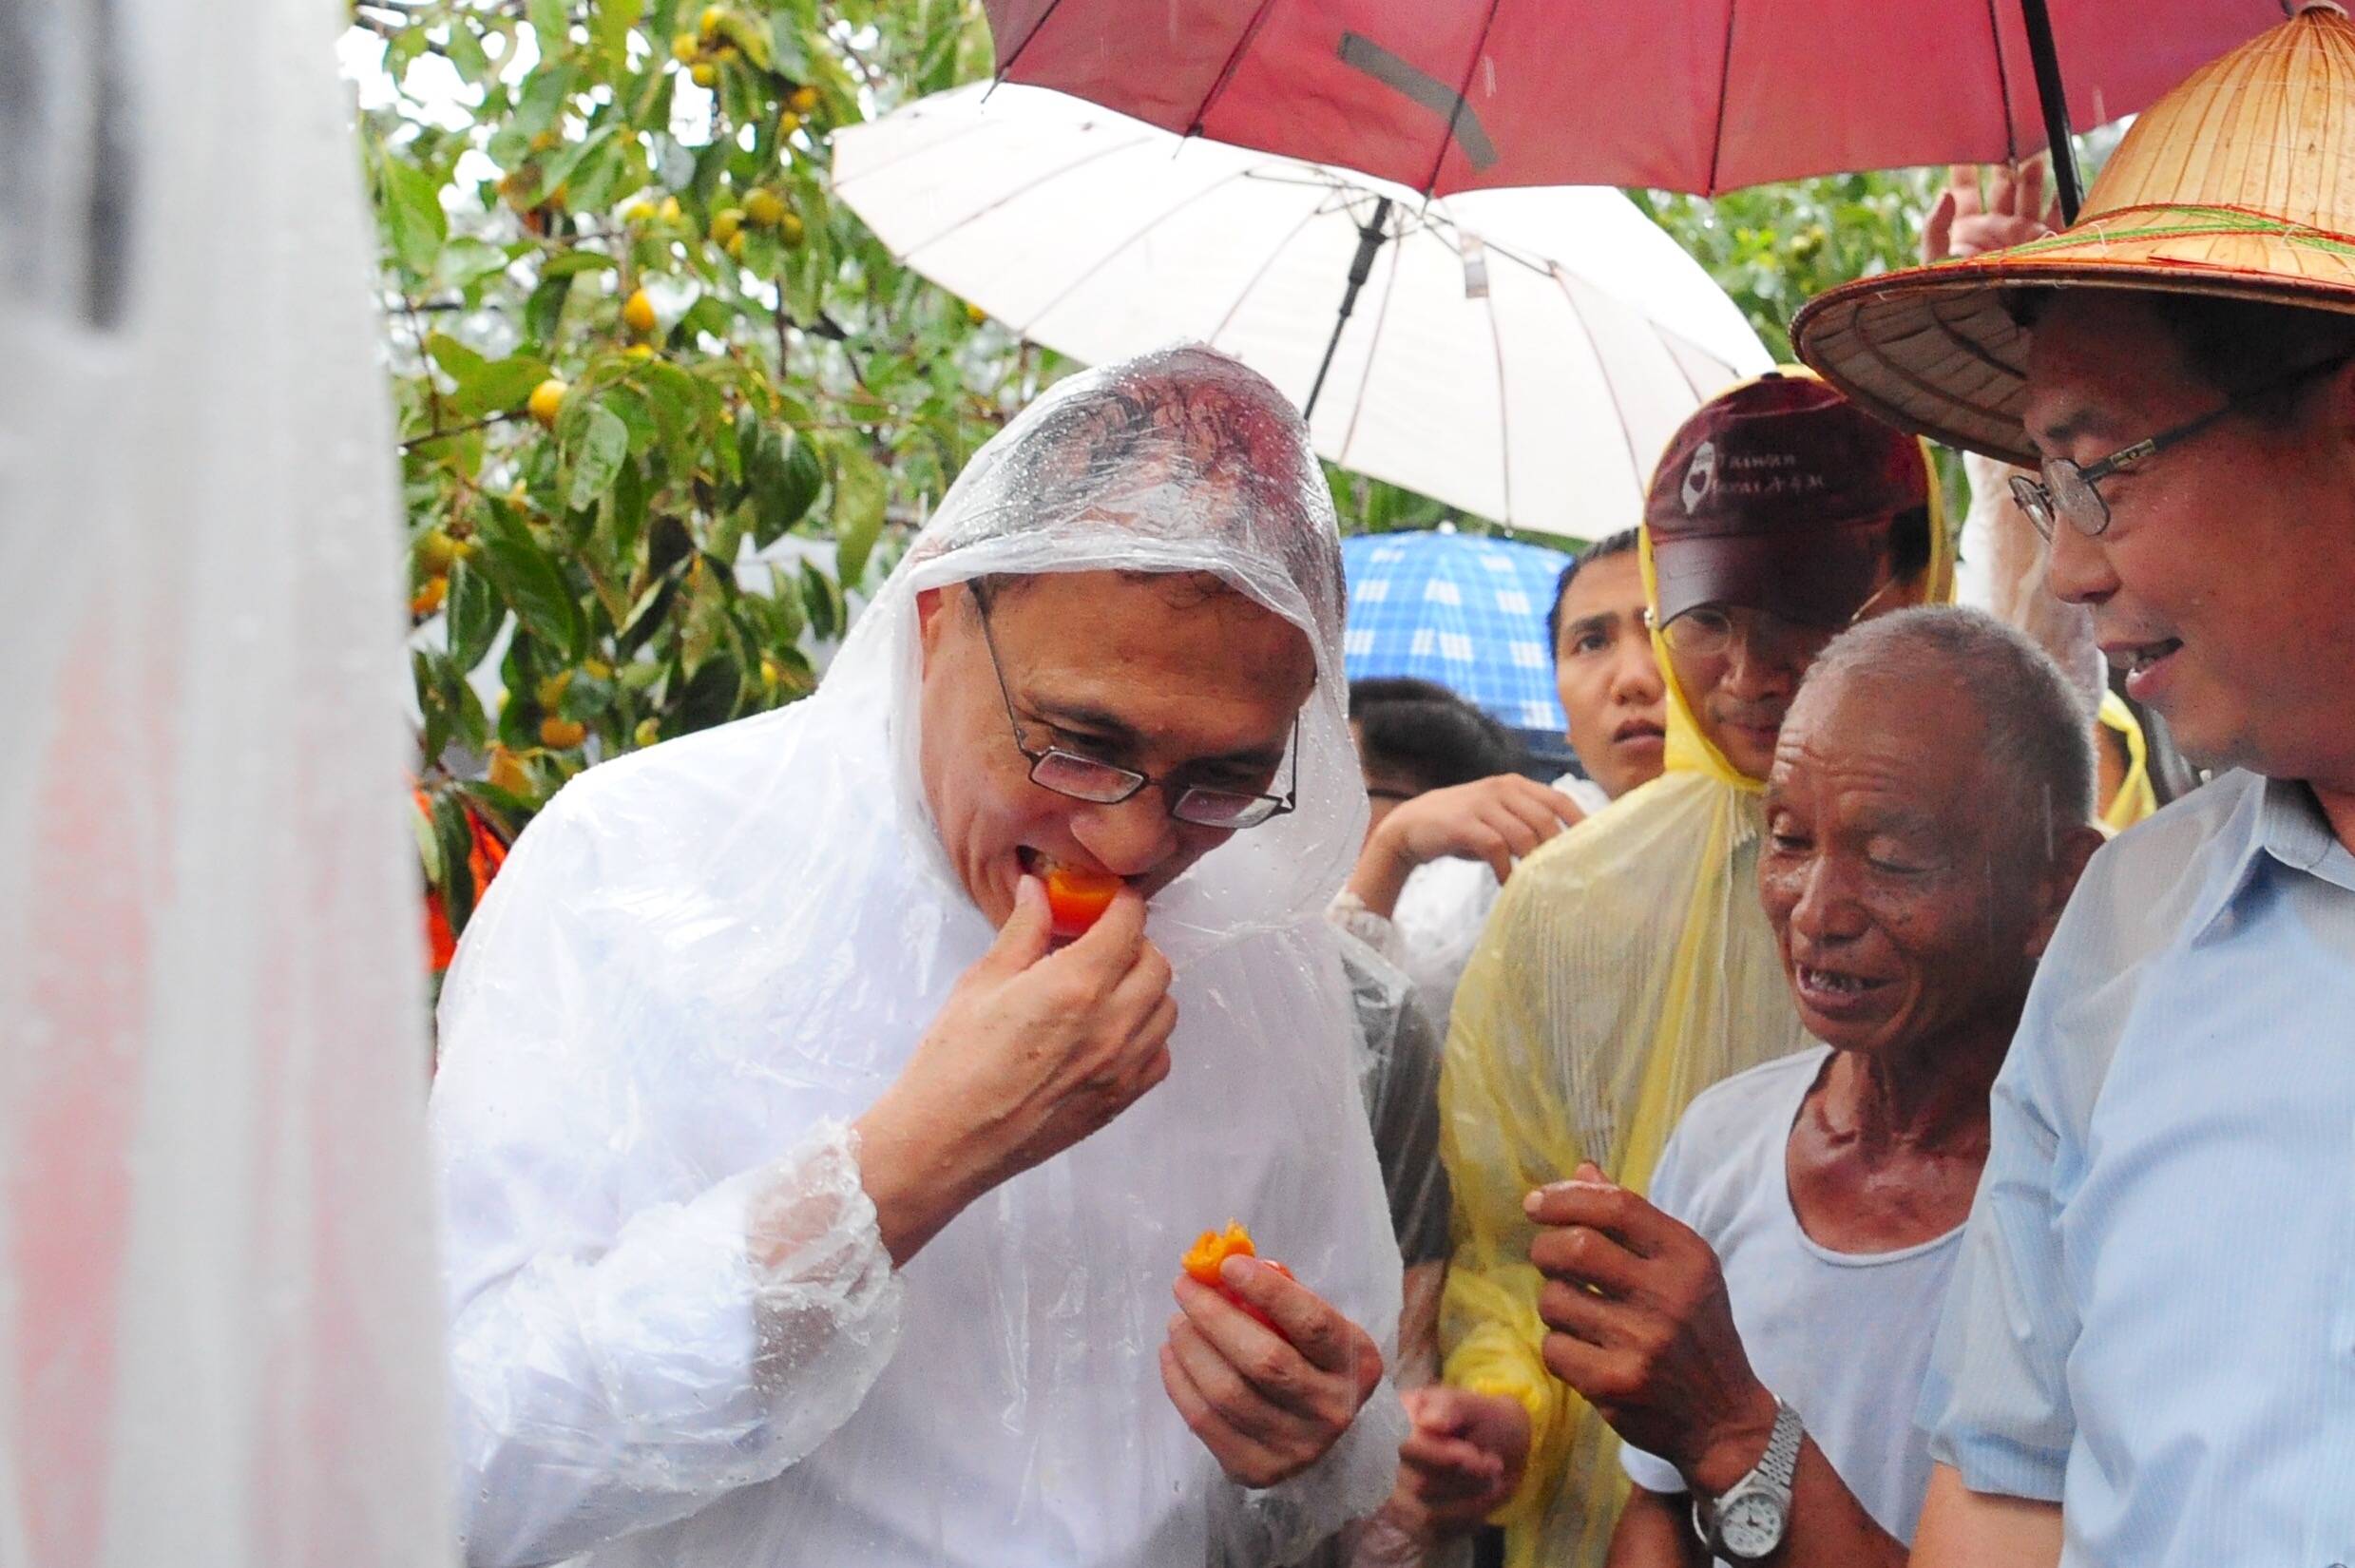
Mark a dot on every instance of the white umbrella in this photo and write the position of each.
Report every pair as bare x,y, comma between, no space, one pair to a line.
1523,354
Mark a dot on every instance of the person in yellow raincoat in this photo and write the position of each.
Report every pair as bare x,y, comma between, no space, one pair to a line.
1628,965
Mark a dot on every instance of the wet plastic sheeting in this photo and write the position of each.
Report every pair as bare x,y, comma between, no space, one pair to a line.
218,1346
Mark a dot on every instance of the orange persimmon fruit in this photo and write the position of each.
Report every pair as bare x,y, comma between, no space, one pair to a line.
1078,899
1203,1260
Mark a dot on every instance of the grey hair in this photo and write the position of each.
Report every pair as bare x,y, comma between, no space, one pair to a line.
2037,728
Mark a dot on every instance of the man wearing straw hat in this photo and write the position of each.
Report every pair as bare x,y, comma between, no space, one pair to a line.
2149,1355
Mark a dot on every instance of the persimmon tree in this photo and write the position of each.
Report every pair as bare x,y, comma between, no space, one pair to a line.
664,408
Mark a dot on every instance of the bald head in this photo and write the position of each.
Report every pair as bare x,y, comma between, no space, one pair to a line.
2035,757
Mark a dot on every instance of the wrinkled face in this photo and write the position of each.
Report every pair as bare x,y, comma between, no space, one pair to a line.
1903,891
1610,684
1166,675
2225,583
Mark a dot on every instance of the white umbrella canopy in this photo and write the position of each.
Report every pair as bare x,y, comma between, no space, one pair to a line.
1523,354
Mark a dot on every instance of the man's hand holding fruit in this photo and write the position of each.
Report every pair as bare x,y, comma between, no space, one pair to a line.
1037,1047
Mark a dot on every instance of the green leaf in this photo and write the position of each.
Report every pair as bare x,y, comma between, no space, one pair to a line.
709,314
465,261
821,601
645,614
413,209
559,169
609,29
859,490
429,847
603,444
550,20
499,386
628,521
456,843
576,261
473,614
787,56
466,53
637,416
534,588
545,311
786,477
459,361
709,699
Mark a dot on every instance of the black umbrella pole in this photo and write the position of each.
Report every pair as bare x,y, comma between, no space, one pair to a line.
1361,267
2055,99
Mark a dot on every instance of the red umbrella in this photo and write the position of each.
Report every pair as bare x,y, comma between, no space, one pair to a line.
1703,96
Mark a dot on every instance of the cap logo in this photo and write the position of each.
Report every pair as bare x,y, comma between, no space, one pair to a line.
1699,475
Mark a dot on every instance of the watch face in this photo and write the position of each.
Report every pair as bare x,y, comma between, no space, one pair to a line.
1750,1525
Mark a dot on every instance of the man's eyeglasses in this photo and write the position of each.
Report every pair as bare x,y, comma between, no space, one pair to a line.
2068,488
1100,783
1710,631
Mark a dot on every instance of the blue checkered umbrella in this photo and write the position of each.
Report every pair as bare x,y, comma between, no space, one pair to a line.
1464,611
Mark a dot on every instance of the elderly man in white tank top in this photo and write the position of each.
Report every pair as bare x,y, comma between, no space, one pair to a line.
1758,1332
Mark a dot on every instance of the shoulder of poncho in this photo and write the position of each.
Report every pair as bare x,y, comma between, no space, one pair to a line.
665,800
1662,818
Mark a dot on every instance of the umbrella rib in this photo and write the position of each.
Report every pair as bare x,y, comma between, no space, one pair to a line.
1079,278
1226,74
1504,423
1464,100
1014,59
1725,75
931,149
1602,369
1275,254
1026,188
2003,82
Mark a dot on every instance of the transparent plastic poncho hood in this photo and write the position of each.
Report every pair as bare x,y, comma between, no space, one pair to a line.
704,959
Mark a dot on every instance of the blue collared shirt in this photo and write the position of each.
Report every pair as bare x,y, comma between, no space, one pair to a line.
2152,1321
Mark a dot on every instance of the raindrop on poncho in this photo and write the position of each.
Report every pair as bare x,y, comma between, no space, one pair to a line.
703,960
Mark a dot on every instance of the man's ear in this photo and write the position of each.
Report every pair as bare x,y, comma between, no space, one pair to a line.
2059,880
931,621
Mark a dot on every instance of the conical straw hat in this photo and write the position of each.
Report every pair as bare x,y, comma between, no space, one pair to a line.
2241,182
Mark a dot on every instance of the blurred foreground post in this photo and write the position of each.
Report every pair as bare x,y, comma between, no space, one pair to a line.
219,1338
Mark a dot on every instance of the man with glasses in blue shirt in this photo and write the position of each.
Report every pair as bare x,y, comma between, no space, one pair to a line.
2149,1353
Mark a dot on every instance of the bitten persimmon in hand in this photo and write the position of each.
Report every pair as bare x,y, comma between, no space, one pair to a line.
1203,1260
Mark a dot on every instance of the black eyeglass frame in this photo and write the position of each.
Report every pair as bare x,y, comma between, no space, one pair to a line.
2045,508
1131,780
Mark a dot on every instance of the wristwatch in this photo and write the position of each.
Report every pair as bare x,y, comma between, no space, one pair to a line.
1746,1523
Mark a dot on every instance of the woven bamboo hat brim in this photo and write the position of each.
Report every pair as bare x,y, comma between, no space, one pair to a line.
2241,183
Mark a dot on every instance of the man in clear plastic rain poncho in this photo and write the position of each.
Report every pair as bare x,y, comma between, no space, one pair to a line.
1629,965
762,1247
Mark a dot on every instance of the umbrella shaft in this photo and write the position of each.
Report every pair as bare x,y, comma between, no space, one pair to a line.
1361,267
2054,100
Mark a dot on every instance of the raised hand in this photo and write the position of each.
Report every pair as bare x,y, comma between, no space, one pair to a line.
1497,821
1034,1050
2010,209
1644,1328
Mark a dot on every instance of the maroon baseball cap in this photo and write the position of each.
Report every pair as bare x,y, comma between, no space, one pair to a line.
1779,496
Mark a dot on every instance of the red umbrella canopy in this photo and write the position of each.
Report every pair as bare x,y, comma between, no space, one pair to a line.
1702,96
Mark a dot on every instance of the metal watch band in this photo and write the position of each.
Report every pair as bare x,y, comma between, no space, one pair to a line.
1773,1474
1781,1462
